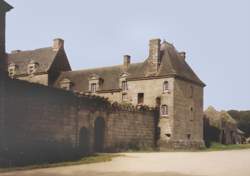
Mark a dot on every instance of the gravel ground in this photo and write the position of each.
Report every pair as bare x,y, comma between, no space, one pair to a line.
221,163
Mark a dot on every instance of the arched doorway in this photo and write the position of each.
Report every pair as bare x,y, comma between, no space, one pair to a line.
99,134
84,141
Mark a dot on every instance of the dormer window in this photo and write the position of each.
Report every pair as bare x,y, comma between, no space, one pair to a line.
124,82
165,86
66,84
95,83
32,67
93,88
124,85
12,70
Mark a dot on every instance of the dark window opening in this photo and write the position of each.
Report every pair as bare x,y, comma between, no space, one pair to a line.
158,102
140,98
165,86
164,110
188,136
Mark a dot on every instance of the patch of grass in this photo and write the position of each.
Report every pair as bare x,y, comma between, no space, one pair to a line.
220,147
97,158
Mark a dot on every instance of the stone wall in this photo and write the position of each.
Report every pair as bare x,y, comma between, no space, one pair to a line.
188,114
35,117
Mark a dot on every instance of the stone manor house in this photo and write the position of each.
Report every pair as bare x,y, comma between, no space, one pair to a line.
163,81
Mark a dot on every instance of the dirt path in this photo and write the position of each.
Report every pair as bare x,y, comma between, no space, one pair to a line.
225,163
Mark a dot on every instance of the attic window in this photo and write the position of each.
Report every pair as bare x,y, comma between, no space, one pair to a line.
66,84
12,70
124,85
93,87
32,67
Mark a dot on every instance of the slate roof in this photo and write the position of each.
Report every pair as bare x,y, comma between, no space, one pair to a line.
171,65
44,57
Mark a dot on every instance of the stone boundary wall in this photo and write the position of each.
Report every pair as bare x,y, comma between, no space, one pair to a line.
37,120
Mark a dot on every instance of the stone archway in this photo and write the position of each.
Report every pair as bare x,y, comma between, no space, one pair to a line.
84,141
99,133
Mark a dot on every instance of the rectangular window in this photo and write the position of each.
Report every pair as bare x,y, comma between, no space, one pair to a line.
31,69
11,72
124,97
124,85
165,86
93,87
164,110
140,98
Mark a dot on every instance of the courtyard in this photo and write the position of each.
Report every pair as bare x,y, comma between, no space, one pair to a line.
216,163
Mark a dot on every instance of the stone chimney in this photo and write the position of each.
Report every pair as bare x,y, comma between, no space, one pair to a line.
4,8
182,55
154,54
126,61
58,44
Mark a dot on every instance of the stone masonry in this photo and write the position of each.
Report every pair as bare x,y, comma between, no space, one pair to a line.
163,81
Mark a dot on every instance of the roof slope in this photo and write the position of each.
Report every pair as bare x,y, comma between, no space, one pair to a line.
171,65
44,57
4,6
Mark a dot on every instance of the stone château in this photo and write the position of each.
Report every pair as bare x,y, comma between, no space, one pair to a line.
163,81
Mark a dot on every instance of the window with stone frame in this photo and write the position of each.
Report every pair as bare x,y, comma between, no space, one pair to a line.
140,98
124,97
164,110
124,85
165,86
93,87
66,84
32,67
12,70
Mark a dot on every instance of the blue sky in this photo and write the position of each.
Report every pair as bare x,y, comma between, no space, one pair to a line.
215,34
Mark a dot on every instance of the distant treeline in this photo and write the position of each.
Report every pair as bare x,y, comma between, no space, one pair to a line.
243,120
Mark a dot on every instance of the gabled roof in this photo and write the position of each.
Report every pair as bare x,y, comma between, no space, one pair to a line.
4,6
44,57
171,65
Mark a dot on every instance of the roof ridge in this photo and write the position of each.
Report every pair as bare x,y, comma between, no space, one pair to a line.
105,67
32,50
